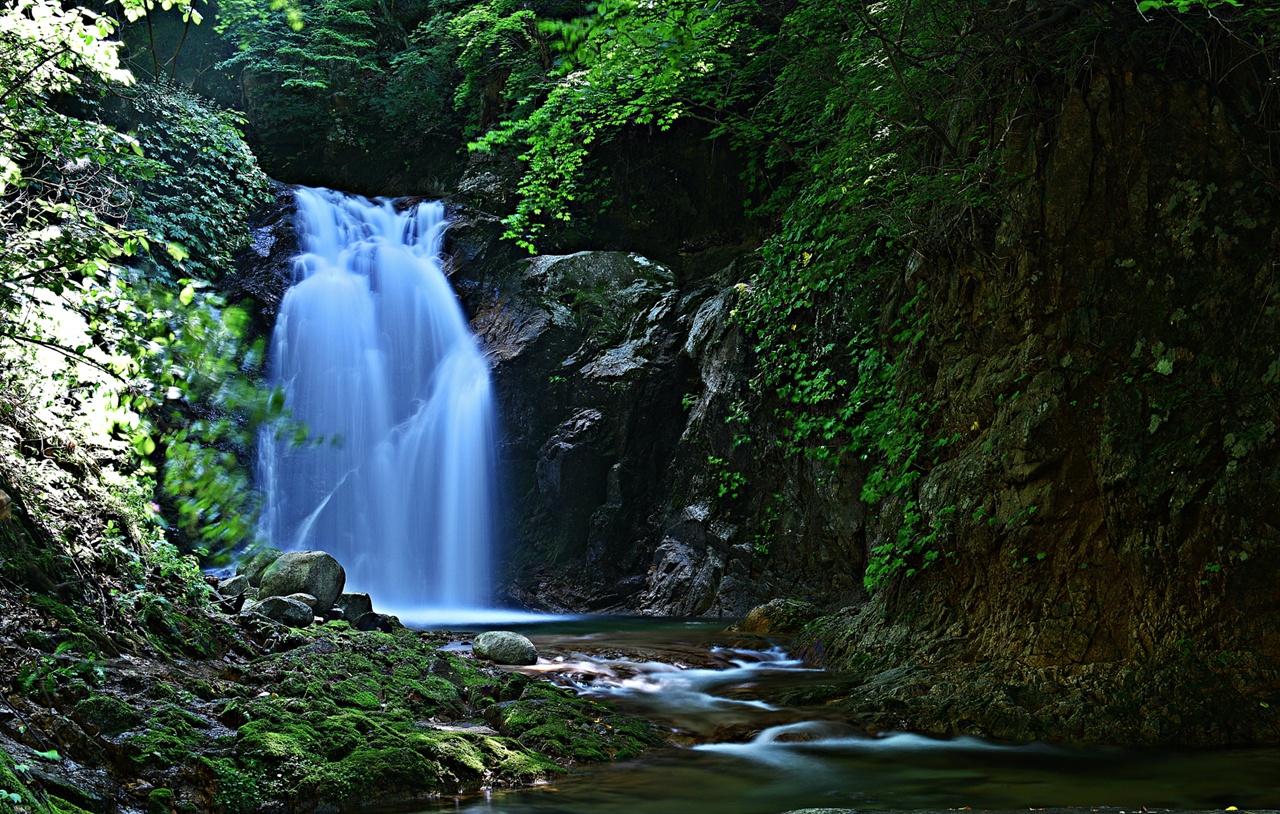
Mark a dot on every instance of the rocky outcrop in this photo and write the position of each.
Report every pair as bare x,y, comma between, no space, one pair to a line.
1103,371
623,388
1106,509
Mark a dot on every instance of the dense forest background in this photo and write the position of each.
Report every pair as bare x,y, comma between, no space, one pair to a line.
963,331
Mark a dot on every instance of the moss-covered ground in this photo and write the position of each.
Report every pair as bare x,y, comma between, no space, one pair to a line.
329,718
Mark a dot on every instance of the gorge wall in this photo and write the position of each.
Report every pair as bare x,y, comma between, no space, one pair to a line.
1105,369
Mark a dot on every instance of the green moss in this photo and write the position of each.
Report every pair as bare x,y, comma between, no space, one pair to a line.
171,736
237,787
370,771
360,692
160,801
553,721
14,794
61,806
344,723
108,715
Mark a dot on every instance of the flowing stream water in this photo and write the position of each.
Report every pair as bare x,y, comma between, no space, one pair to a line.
396,476
744,752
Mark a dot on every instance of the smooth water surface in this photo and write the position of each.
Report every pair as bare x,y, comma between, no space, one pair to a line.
750,755
396,474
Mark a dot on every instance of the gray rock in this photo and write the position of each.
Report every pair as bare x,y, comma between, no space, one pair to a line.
252,568
232,587
281,609
306,599
309,572
505,647
355,605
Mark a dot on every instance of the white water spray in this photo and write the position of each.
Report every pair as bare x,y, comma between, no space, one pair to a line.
396,477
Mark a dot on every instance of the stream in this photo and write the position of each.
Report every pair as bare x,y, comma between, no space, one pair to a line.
741,752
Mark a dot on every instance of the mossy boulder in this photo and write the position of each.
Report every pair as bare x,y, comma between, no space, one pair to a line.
107,714
253,567
505,647
779,616
554,721
310,572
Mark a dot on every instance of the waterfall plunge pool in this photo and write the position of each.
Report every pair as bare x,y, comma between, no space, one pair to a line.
742,752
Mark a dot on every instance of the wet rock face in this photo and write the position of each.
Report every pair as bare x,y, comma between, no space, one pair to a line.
617,378
1107,507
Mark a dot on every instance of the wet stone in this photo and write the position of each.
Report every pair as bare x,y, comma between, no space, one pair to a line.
505,647
232,587
281,609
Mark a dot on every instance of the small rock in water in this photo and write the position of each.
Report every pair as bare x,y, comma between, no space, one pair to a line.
232,587
505,647
355,605
282,609
309,572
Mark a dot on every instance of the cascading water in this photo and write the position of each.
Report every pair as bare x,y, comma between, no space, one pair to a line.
396,475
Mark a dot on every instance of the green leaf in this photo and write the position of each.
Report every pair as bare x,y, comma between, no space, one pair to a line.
52,754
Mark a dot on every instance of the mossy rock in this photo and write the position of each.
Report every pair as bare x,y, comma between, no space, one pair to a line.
779,616
253,567
107,714
553,721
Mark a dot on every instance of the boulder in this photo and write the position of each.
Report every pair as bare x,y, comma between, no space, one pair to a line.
252,568
281,609
779,616
375,621
354,606
505,647
306,599
232,587
310,572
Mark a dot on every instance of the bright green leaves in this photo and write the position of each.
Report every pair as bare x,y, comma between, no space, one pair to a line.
626,63
1183,6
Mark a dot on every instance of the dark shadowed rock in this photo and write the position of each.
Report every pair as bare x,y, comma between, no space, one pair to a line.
281,609
376,621
354,606
505,647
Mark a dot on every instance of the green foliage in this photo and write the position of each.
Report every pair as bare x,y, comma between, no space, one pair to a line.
202,182
504,59
626,63
866,154
1184,5
347,73
83,199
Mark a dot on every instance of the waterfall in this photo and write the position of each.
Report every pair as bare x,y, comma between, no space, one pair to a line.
396,474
